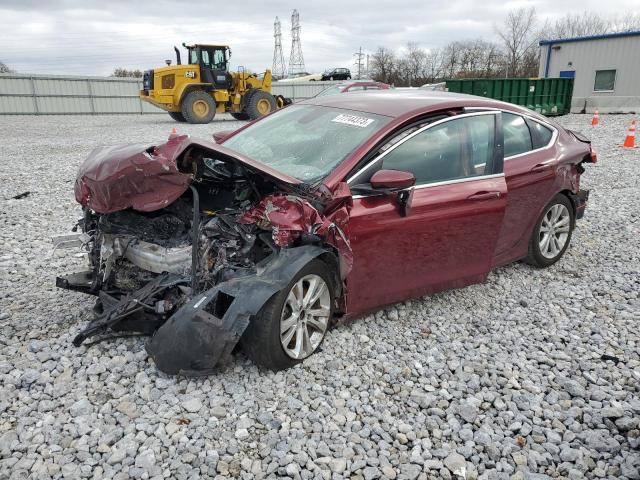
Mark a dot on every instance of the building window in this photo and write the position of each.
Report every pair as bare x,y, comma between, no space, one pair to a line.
605,81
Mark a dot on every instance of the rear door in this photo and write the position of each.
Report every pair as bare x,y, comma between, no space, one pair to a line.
529,163
448,237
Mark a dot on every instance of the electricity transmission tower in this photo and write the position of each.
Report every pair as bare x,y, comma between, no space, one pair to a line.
278,70
359,64
296,60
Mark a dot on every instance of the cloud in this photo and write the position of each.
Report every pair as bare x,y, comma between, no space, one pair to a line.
93,37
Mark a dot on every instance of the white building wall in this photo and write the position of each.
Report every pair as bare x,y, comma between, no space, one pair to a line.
585,57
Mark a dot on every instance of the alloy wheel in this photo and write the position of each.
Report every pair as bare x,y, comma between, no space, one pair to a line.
305,316
554,230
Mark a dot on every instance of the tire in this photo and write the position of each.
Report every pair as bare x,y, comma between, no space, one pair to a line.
547,249
198,107
240,115
331,79
259,104
177,116
348,78
262,341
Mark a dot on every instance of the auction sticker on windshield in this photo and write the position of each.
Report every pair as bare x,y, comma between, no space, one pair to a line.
353,120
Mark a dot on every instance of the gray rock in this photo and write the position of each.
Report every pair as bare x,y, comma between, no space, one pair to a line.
456,464
192,405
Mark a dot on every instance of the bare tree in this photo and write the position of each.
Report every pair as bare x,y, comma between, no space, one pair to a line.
414,63
433,65
384,65
518,37
123,72
625,23
575,25
4,68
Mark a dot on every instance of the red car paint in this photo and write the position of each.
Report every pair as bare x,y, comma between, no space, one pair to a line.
455,232
366,85
290,216
146,178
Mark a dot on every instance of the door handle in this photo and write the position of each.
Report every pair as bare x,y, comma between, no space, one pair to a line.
542,167
479,196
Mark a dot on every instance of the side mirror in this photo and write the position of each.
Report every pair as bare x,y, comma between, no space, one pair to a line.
393,179
220,137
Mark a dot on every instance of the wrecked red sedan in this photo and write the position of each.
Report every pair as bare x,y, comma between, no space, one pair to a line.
334,206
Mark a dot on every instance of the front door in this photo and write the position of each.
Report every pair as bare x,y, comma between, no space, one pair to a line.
448,237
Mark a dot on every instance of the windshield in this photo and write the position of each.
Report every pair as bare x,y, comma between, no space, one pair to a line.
306,141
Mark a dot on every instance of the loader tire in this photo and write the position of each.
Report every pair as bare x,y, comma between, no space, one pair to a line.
198,107
260,103
177,116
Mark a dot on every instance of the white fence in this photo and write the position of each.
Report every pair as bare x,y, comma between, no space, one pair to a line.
60,95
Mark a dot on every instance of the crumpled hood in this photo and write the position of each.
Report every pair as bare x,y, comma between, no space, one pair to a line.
146,177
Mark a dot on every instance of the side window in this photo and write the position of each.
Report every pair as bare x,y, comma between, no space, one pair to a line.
455,149
541,135
355,88
205,57
517,138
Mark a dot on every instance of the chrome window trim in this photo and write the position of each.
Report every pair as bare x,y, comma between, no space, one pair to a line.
411,135
554,130
444,182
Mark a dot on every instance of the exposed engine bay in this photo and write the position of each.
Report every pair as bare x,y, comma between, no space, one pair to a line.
186,242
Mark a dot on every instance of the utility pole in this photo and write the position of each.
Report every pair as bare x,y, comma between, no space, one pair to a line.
358,63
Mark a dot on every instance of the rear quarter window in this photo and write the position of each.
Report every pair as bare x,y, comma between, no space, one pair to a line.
540,134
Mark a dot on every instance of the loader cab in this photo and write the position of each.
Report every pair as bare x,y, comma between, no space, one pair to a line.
214,64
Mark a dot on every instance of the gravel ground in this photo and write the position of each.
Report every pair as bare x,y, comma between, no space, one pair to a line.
501,380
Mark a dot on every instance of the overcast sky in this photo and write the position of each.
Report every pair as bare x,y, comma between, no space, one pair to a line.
93,37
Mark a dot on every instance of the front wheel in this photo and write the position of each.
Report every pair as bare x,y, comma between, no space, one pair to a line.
293,323
552,233
198,107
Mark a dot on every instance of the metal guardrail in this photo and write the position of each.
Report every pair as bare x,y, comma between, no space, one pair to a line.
69,95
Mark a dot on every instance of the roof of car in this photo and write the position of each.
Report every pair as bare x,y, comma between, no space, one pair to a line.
395,103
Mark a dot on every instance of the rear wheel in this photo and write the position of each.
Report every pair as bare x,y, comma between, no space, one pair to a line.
260,103
198,107
177,116
293,323
552,233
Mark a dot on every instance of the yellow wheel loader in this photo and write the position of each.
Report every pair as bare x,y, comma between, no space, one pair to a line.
195,92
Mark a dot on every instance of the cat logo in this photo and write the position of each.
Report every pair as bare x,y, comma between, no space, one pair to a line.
190,74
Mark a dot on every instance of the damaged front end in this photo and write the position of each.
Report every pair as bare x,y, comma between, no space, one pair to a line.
186,241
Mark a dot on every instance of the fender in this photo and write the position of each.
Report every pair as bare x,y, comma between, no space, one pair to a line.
204,331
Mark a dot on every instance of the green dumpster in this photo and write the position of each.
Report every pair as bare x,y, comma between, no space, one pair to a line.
549,96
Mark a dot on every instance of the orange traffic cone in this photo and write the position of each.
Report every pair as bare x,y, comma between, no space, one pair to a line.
630,140
174,131
596,118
